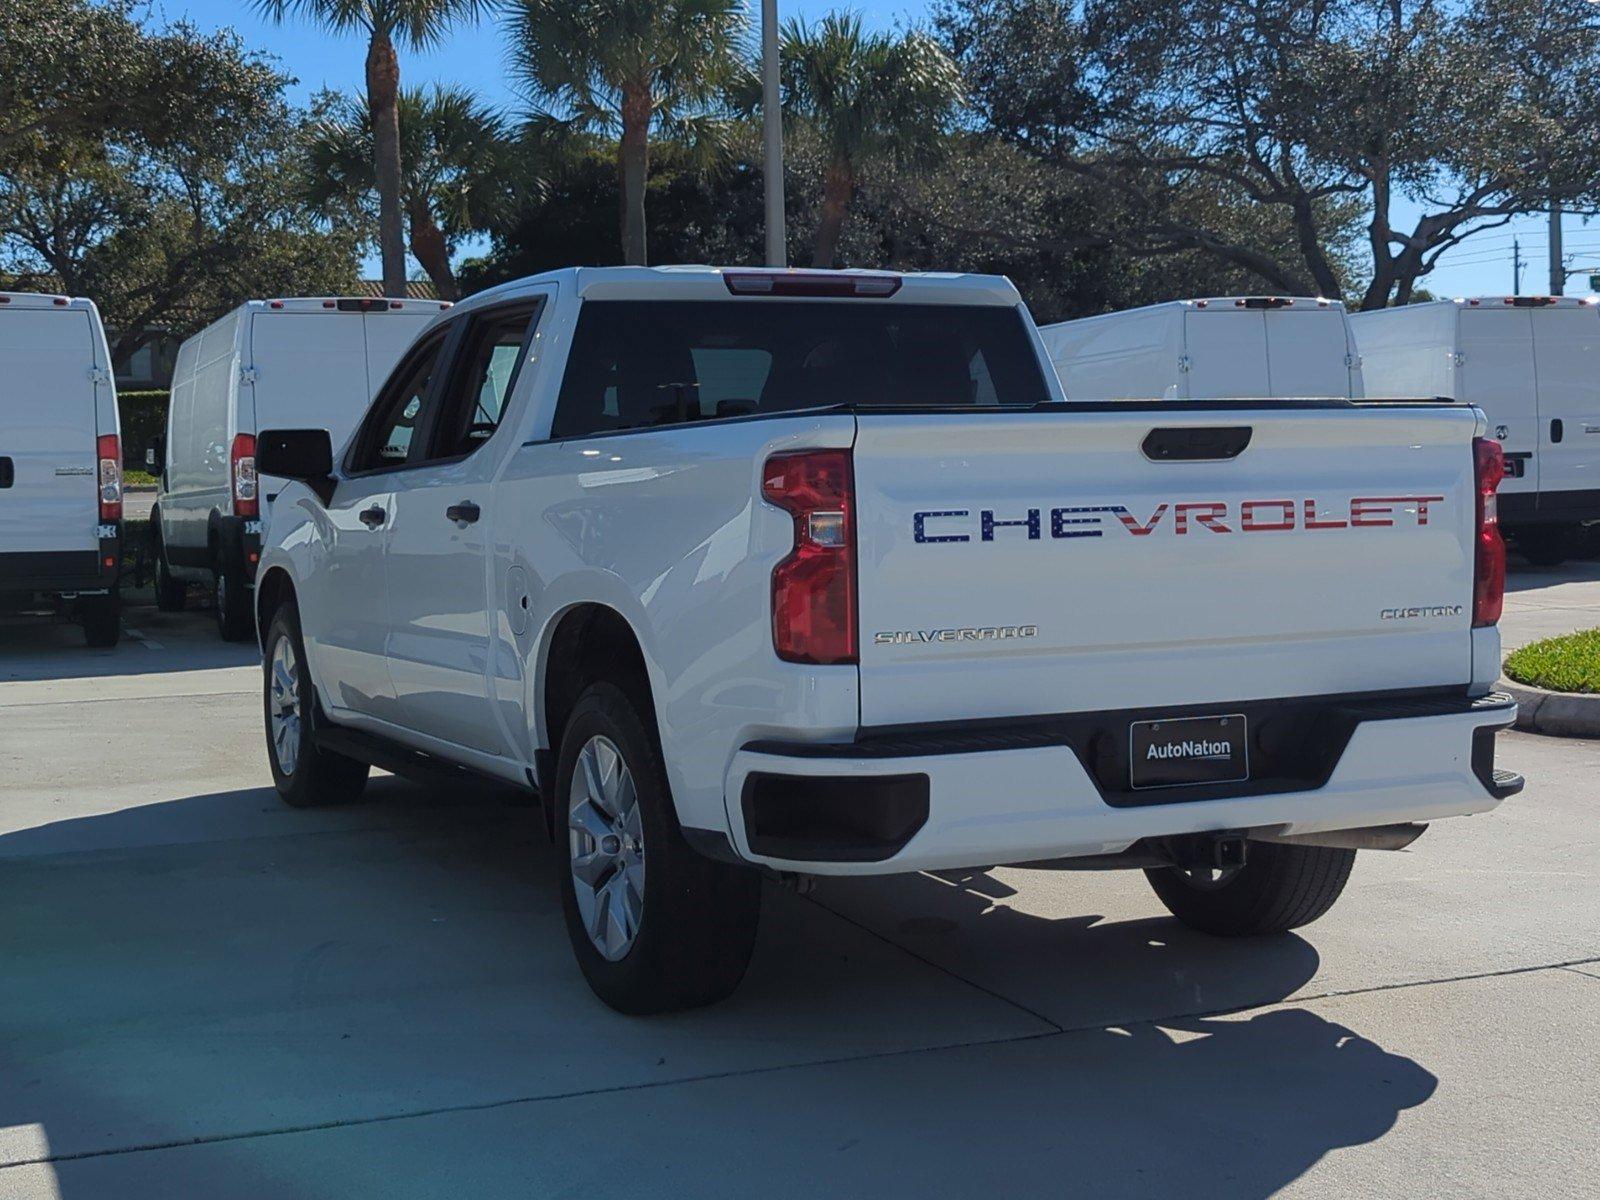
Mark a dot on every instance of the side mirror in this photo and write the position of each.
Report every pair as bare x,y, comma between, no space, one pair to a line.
305,455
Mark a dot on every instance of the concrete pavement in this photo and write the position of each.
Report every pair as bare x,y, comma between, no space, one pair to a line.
203,992
1544,602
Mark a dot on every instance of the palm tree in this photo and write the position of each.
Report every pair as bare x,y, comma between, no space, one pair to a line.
458,170
864,96
417,23
627,67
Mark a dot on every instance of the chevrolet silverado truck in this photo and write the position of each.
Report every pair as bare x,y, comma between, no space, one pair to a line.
797,573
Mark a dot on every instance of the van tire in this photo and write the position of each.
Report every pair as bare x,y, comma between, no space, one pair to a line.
171,594
1547,545
231,597
102,619
315,777
1280,887
697,918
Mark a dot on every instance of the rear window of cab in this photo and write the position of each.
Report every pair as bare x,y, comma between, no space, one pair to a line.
645,364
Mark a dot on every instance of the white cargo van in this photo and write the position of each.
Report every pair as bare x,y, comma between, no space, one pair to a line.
60,461
310,361
1532,363
1242,347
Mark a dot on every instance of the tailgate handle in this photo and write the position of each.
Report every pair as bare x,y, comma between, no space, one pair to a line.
1196,444
8,473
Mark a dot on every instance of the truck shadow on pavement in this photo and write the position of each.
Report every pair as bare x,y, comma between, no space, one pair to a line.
380,1000
38,646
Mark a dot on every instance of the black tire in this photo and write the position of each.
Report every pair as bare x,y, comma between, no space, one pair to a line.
171,594
1280,887
231,597
1547,545
102,619
314,777
697,921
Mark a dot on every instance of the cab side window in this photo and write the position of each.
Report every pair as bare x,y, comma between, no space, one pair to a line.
397,414
491,356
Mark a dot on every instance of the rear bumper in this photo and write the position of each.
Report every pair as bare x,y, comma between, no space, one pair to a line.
53,572
910,803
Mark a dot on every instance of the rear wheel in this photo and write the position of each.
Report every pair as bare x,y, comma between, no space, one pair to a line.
1280,887
655,926
231,597
305,774
1547,545
102,619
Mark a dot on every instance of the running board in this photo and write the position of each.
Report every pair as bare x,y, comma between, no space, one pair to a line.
415,765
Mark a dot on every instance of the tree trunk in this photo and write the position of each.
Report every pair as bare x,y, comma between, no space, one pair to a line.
430,249
383,102
838,185
633,167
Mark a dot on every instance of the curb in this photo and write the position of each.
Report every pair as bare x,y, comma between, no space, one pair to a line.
1557,714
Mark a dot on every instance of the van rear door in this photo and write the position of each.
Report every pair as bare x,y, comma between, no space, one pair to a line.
1566,351
1308,353
1226,355
1497,375
310,373
389,335
47,430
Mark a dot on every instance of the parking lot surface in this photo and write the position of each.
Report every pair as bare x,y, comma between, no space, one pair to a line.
206,993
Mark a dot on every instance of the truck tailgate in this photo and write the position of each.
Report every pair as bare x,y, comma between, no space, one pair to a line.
1024,563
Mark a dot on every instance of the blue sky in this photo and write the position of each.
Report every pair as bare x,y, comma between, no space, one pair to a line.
476,56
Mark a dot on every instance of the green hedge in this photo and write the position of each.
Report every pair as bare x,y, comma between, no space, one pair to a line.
144,415
1561,664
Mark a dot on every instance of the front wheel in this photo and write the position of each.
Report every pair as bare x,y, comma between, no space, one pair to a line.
170,593
655,926
305,775
1280,887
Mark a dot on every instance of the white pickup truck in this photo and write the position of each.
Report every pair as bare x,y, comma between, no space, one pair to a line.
819,573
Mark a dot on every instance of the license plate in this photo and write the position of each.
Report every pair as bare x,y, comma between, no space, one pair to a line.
1188,750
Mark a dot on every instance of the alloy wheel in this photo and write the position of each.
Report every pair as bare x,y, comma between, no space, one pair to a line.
606,838
284,705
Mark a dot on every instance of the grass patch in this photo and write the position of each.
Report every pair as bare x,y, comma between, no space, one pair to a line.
132,477
1563,664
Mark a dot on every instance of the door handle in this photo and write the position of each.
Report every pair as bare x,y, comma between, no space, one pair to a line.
372,517
1557,430
464,513
8,473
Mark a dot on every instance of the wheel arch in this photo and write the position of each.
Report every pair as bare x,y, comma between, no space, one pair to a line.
272,589
585,643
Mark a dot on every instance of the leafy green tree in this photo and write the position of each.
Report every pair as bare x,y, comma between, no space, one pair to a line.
168,222
418,24
460,172
632,68
864,95
1473,112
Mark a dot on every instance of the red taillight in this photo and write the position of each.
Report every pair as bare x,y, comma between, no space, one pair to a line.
108,449
814,588
1489,566
242,470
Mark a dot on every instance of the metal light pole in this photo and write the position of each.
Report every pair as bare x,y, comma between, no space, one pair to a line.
1558,269
772,136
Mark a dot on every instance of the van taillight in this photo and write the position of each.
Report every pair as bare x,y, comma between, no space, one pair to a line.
108,448
1489,564
242,470
814,588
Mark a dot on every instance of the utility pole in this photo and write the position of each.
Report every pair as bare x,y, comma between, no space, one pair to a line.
1558,269
1516,267
772,136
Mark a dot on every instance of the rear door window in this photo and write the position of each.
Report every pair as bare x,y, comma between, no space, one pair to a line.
643,364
